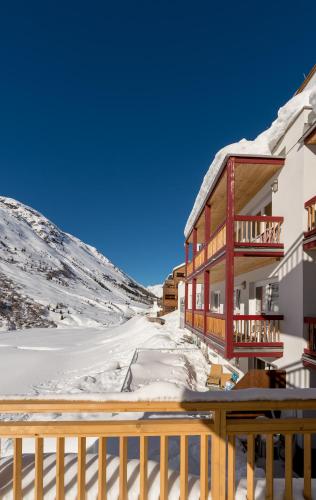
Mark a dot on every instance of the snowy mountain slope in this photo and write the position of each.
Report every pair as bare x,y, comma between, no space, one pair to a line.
156,290
50,278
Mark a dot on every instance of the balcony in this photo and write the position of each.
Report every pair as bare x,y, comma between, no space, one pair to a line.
309,356
309,241
215,422
257,335
258,235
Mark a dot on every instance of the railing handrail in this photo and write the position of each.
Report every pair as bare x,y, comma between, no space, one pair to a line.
310,202
214,233
258,218
211,314
243,399
260,317
309,319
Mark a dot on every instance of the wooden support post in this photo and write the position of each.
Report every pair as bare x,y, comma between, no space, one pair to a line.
269,467
250,467
231,467
184,467
204,466
206,297
60,469
307,467
102,469
81,468
39,468
193,299
17,469
164,468
123,468
143,464
229,270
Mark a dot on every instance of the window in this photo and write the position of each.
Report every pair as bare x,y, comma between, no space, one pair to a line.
170,297
180,275
237,300
216,301
267,298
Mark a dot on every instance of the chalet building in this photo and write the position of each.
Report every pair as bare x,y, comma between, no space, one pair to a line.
170,289
250,289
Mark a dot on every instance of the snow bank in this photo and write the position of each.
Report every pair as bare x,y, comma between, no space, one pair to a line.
264,144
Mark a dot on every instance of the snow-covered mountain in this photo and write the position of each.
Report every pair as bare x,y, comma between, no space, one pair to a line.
156,290
49,278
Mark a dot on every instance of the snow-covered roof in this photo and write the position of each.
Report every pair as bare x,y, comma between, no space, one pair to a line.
263,145
178,267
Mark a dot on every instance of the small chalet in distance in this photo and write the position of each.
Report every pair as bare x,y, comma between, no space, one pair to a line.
250,291
170,289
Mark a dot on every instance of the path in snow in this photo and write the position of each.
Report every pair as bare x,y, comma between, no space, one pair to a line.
72,361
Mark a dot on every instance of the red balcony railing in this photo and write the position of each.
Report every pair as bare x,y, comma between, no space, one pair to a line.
258,231
310,323
257,328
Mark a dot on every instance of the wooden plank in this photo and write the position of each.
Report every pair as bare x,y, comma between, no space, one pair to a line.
81,468
102,469
215,459
143,452
104,428
204,467
307,467
163,468
184,467
231,467
123,468
269,467
222,454
39,468
288,467
60,468
17,469
250,467
275,426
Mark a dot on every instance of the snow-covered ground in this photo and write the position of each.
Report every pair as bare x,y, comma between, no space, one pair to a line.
76,360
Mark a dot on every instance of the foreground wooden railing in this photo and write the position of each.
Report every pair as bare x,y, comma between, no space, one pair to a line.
257,328
258,230
224,421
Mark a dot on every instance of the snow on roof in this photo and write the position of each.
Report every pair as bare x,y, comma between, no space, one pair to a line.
263,145
178,267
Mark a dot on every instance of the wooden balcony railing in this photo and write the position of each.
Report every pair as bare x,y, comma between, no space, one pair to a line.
199,320
189,268
188,317
217,241
199,259
310,206
257,328
258,230
218,435
215,325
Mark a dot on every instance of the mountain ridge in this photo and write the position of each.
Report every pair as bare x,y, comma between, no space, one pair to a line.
50,278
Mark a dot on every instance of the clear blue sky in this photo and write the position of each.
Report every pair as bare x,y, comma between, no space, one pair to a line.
110,112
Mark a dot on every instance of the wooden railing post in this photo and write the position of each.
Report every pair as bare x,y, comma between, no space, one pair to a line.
218,457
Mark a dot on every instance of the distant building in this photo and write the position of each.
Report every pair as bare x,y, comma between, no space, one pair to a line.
170,289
